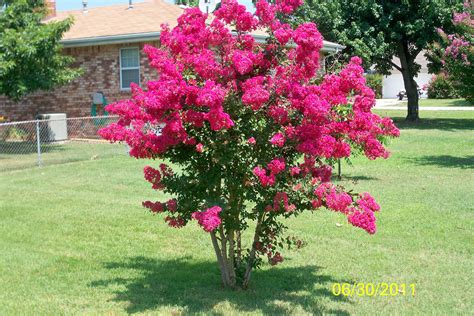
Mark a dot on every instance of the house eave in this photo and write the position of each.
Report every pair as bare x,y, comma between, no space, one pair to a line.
328,47
111,39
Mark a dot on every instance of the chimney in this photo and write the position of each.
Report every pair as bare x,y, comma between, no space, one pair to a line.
84,6
51,6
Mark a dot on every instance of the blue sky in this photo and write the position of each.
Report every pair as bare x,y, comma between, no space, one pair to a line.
62,5
77,4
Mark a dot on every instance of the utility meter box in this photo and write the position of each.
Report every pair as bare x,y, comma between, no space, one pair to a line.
98,98
53,127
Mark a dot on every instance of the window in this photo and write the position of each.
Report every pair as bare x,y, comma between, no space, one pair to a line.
129,67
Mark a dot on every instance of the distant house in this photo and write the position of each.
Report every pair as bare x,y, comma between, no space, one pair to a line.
107,44
393,83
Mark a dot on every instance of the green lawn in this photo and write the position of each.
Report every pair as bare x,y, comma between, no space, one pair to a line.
24,154
75,239
443,102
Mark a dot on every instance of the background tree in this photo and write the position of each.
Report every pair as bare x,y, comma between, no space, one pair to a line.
378,31
453,55
30,53
190,3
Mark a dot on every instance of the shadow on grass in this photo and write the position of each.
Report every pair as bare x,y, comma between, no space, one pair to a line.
446,161
358,178
444,124
194,287
461,103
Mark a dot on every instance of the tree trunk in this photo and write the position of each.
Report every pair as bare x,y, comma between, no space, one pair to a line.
225,278
411,87
250,263
412,95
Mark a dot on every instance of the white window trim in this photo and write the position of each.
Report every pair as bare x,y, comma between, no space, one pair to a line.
129,68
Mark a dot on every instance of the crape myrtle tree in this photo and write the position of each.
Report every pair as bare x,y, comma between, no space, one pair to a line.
453,55
30,50
252,128
382,32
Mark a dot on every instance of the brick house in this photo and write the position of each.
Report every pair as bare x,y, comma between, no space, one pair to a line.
106,43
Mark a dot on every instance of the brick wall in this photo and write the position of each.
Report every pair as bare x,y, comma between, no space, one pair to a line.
101,73
101,67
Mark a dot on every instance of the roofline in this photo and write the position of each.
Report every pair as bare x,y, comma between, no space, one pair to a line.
329,47
111,39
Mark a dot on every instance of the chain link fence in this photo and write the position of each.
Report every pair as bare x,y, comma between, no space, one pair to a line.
54,140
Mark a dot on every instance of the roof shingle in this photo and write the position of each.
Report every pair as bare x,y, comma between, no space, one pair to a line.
144,17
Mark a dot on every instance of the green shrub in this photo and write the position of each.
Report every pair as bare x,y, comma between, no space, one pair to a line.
16,134
375,82
440,87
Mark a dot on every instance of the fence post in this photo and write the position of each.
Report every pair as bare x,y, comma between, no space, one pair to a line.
38,142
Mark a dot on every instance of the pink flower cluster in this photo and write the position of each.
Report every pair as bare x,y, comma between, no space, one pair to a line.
154,177
457,48
360,212
464,17
275,167
212,82
209,219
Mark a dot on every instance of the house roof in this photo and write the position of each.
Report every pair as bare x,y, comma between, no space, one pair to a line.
119,24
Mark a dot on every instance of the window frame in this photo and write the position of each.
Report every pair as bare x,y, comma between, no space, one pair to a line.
121,68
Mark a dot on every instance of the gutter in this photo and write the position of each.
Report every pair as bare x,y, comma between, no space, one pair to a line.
328,47
111,39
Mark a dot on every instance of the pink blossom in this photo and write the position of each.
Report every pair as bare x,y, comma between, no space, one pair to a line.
278,140
209,219
364,220
255,94
265,180
368,203
154,207
175,221
211,95
166,170
219,120
283,34
265,12
199,148
276,259
294,171
338,201
172,205
276,166
280,198
154,177
251,141
243,61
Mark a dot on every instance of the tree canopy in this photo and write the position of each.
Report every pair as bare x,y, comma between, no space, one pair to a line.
378,31
30,50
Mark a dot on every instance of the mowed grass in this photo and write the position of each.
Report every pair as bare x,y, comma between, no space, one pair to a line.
75,239
19,155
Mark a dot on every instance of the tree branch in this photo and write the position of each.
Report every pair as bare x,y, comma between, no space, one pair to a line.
224,273
252,253
394,65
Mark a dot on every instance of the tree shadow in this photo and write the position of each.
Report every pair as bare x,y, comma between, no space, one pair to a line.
358,178
195,287
461,103
444,124
446,161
